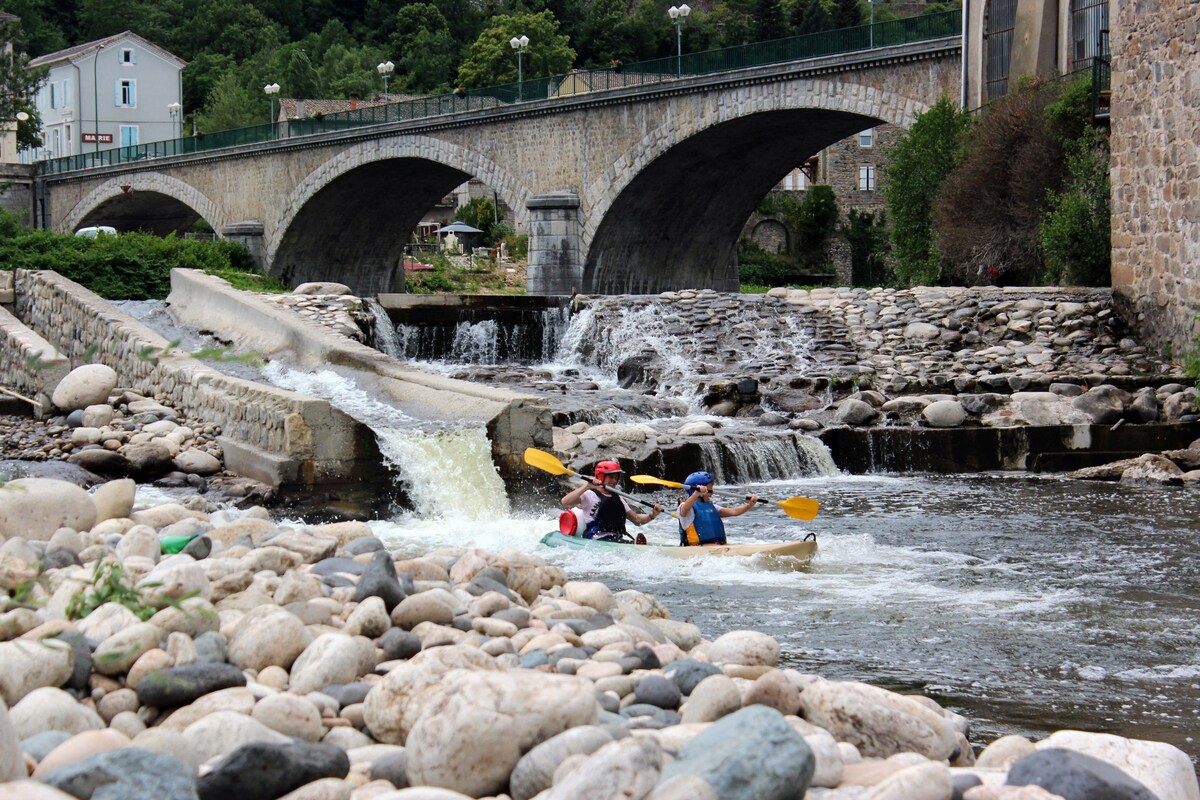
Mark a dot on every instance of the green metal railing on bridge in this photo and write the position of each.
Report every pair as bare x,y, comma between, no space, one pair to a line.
656,71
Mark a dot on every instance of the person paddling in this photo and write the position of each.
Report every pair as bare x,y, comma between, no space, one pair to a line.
604,513
699,518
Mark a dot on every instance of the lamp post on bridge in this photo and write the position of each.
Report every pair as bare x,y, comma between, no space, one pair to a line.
385,70
679,15
270,90
174,110
519,44
871,42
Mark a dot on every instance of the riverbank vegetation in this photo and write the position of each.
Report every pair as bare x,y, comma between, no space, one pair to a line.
129,266
1015,194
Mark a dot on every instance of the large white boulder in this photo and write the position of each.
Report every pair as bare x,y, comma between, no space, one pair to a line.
34,508
84,386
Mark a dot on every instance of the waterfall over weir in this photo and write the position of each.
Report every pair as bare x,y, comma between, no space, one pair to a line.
533,337
443,471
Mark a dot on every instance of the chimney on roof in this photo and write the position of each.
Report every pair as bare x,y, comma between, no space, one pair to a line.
353,103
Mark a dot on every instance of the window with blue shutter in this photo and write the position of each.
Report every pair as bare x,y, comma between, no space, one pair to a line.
126,93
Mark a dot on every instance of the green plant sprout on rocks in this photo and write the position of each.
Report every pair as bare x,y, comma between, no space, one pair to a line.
109,585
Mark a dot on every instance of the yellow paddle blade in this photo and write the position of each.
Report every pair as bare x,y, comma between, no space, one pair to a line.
655,481
546,462
800,507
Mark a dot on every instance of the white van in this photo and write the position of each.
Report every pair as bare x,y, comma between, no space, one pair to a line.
95,230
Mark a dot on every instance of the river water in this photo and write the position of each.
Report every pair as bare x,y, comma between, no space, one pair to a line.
1026,603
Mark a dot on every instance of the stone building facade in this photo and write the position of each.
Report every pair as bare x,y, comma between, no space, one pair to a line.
1156,168
855,167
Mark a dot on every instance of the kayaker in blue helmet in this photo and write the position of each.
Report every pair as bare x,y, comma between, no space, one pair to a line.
604,513
700,518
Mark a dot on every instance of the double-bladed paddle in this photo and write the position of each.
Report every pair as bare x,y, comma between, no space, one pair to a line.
548,463
795,507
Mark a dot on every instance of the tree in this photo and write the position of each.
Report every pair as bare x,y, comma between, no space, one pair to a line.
814,222
491,60
233,104
988,215
810,16
18,85
482,213
424,47
847,14
768,21
867,236
921,160
1077,228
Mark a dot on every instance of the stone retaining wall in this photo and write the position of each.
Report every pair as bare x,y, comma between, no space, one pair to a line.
1156,167
514,421
269,434
29,365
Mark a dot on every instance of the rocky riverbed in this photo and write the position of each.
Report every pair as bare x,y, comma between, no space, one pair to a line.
272,660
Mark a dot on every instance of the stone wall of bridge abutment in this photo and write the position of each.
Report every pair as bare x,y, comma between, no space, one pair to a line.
1155,170
623,190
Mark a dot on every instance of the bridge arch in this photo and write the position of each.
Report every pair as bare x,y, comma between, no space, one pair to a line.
669,214
142,201
349,219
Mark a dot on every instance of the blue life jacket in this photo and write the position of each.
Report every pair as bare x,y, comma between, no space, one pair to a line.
706,528
610,516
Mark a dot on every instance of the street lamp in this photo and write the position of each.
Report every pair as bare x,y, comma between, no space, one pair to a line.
679,15
871,41
519,45
385,69
96,98
272,89
176,125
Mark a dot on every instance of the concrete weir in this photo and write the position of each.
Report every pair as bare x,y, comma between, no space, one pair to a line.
513,421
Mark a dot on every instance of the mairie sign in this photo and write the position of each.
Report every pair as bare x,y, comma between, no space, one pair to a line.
101,138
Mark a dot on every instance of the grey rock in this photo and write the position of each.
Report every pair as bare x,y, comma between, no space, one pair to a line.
392,768
1075,776
211,647
399,644
688,672
179,686
535,771
1104,404
752,754
148,460
379,580
40,744
655,690
264,771
129,773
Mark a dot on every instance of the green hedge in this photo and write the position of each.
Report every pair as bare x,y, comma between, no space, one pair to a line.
130,266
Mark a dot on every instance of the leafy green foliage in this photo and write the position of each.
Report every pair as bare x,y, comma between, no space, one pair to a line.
18,85
814,221
1077,228
491,60
759,268
482,213
131,266
867,236
110,585
990,210
921,160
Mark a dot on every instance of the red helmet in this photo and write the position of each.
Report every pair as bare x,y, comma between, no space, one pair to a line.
606,468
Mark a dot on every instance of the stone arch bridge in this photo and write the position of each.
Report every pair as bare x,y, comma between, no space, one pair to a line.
630,190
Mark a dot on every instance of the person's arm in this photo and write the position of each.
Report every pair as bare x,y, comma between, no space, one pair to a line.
737,511
641,519
701,493
571,498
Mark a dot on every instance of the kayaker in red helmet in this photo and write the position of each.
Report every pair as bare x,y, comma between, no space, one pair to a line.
604,513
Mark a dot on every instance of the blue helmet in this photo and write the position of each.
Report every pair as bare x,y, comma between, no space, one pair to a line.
698,479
